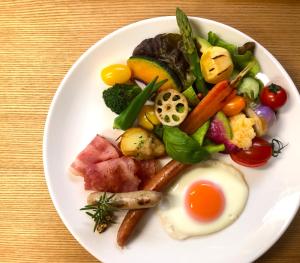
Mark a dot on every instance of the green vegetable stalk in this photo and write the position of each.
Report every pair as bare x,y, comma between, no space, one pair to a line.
190,49
191,96
201,132
127,117
214,148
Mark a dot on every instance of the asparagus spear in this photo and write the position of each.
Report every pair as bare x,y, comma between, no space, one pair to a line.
190,49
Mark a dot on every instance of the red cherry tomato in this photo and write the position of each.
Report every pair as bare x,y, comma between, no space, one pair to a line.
273,96
257,155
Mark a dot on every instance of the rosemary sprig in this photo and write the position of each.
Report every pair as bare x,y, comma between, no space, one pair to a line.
102,212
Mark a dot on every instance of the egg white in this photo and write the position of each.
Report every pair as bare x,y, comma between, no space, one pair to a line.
173,215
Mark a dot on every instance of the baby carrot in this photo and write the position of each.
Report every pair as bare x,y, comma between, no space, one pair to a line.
207,107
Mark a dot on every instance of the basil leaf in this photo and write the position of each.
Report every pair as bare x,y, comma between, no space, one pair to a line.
182,147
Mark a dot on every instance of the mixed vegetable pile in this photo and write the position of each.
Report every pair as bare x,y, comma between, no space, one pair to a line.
209,81
201,96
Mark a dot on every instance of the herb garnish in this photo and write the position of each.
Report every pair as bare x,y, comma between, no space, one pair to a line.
101,212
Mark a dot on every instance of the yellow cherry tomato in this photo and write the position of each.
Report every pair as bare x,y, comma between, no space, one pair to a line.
147,117
116,73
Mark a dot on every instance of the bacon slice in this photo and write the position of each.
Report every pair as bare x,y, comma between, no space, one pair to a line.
146,170
98,150
105,170
115,175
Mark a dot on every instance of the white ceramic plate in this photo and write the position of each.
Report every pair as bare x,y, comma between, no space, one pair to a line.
77,113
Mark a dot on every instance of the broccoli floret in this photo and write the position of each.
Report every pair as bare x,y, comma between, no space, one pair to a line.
118,97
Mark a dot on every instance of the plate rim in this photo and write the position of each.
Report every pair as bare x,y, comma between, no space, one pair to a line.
83,56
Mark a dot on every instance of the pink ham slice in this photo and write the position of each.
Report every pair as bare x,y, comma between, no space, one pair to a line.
105,170
115,175
146,170
98,150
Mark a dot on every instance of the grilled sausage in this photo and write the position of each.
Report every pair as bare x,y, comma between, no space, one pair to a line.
157,183
130,200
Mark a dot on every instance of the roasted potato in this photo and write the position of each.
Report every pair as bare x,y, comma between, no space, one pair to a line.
141,144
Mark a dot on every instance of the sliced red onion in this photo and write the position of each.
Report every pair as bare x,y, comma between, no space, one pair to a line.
265,113
264,117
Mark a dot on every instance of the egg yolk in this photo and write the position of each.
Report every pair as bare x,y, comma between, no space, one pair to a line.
204,201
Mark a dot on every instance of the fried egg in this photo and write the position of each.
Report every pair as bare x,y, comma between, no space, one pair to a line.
207,198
